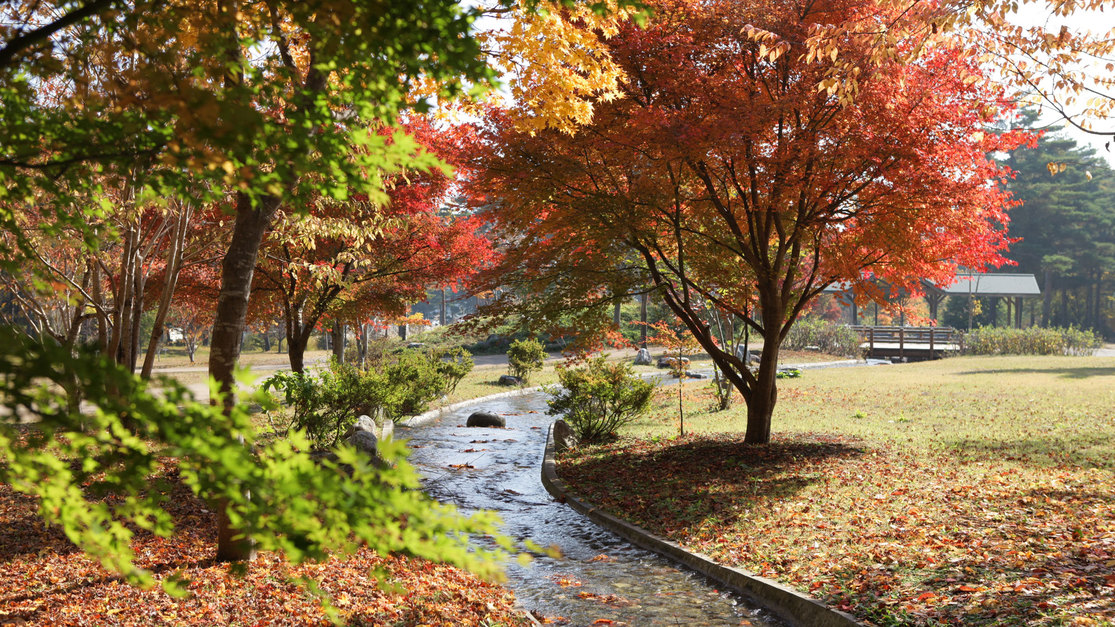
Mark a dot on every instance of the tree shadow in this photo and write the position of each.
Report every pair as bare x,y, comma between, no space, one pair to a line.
1066,373
701,479
1079,450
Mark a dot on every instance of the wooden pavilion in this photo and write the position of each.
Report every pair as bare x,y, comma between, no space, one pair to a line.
1012,287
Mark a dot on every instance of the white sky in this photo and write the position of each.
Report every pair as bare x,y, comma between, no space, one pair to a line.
1038,14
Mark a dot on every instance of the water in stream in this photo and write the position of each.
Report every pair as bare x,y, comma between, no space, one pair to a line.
617,581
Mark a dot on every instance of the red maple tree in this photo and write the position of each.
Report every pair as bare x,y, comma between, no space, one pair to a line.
733,174
355,260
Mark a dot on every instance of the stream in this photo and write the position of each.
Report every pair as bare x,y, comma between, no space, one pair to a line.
598,575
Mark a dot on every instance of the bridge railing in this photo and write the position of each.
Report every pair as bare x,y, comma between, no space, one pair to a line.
932,339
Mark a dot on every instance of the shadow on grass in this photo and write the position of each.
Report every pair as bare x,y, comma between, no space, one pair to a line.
1066,373
702,479
1081,450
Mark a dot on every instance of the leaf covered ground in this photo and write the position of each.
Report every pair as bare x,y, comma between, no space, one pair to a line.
969,491
44,580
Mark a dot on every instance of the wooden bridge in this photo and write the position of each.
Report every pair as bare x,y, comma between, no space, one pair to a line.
908,343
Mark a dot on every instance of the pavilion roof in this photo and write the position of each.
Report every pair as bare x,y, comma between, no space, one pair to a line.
977,284
990,284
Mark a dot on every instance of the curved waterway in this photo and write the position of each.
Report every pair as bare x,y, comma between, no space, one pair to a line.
599,575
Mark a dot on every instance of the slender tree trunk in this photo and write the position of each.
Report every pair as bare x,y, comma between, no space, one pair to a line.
252,222
1063,318
362,341
102,317
1047,300
1097,323
442,317
137,315
643,320
122,298
173,266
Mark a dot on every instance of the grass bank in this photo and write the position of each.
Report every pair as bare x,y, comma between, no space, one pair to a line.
970,490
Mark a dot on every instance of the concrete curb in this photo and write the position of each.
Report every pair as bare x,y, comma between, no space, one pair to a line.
790,605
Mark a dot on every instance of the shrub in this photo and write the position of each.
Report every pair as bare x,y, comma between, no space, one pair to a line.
1030,341
325,407
525,357
453,364
832,338
788,373
599,398
396,386
417,380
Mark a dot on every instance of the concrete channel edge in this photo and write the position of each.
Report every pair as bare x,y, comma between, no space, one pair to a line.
791,606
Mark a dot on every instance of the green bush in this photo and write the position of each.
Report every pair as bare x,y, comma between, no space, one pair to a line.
832,338
395,386
325,407
599,398
454,364
1030,341
525,357
417,380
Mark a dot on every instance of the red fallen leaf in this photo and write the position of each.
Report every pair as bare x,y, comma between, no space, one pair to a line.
461,466
474,450
603,558
603,621
967,588
925,596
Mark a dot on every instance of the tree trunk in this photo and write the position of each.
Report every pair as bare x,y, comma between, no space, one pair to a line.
1047,300
252,222
298,333
1097,322
764,394
173,266
1063,317
296,351
643,320
338,334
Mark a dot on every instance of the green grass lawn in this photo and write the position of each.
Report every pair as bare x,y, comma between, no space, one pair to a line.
964,491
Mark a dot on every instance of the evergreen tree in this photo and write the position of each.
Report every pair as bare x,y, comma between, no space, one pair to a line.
1066,223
